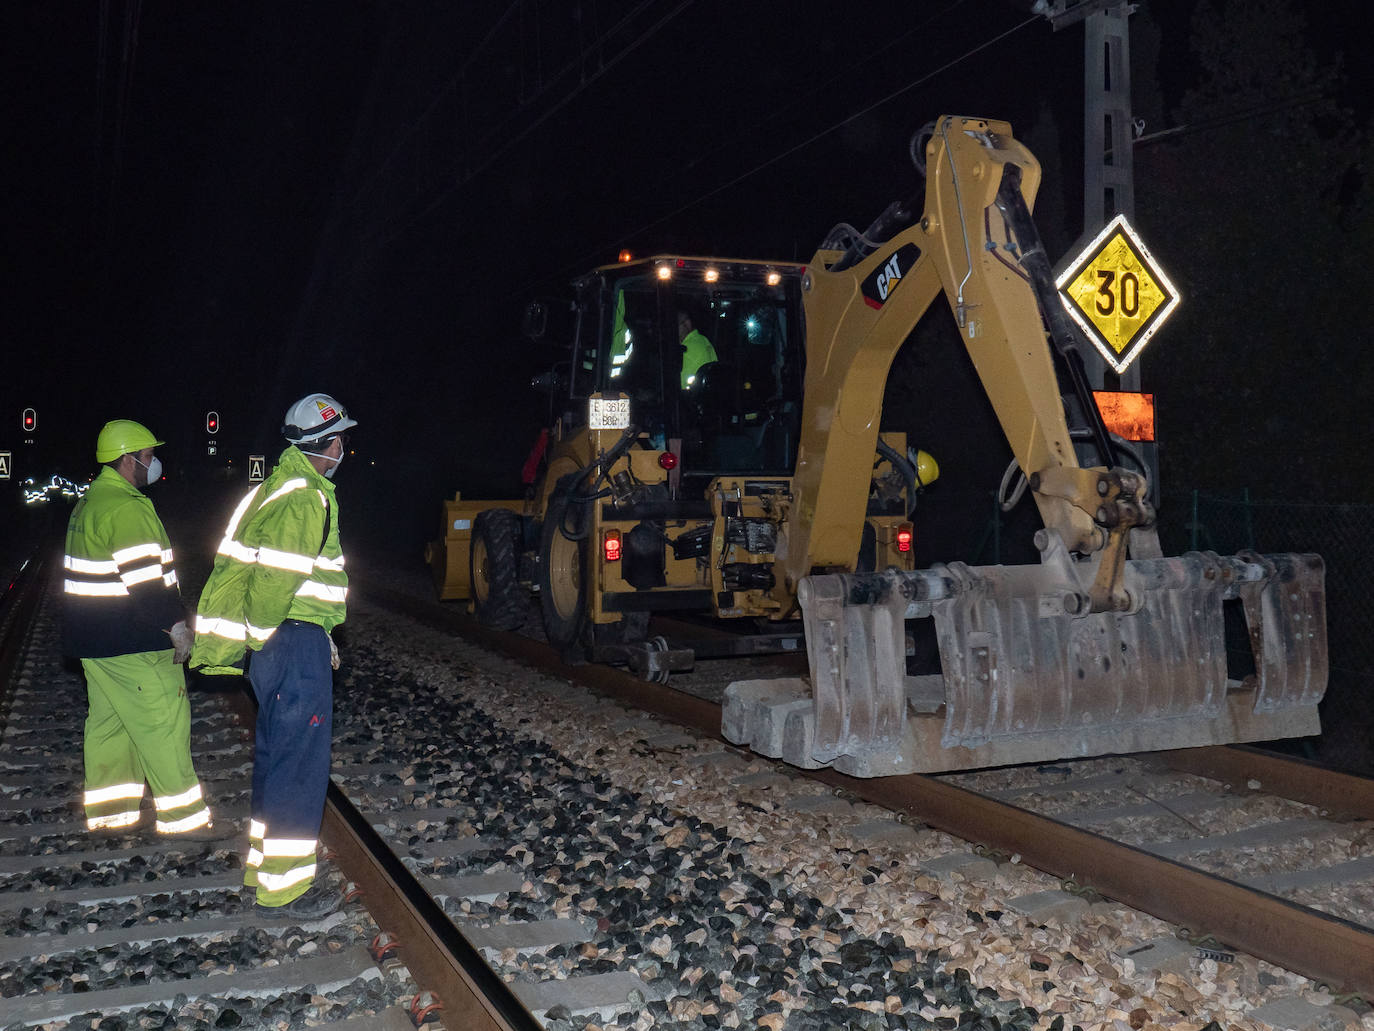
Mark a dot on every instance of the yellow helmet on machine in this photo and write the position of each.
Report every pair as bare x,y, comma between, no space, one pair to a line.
122,437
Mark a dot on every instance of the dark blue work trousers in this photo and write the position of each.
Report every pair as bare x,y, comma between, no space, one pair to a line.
294,685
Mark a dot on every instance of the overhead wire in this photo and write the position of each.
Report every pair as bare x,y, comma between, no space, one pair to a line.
456,78
604,247
1233,118
474,170
424,115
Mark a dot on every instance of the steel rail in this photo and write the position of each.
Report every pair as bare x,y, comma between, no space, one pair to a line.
1285,776
17,609
439,958
468,993
1325,948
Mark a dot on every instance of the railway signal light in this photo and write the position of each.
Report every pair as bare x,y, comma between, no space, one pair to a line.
212,423
30,420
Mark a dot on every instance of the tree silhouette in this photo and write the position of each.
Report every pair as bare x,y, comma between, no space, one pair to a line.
1250,204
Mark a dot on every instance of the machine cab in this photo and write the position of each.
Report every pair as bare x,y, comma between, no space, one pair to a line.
709,352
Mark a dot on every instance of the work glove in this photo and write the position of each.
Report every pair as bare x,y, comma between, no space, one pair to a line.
182,638
333,653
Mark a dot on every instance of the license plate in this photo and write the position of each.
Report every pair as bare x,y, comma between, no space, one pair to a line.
609,413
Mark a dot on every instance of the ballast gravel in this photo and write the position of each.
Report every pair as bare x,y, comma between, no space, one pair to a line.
108,885
744,896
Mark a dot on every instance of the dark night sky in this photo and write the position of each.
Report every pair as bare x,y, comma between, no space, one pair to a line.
227,205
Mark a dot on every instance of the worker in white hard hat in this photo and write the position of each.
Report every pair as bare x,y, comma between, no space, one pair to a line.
277,589
123,618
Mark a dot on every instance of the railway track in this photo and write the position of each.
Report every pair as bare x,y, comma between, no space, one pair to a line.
1240,850
610,866
126,931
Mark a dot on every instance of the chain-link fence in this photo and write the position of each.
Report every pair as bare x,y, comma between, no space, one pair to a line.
1343,535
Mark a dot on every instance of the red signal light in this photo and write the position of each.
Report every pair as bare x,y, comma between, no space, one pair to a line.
610,545
212,422
667,461
904,537
30,420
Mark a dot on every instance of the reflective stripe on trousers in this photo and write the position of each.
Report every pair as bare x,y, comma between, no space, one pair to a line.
294,685
139,728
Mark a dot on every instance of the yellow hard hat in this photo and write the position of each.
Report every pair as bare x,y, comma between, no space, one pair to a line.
927,469
122,437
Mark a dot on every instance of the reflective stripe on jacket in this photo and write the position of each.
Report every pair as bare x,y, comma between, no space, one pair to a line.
119,588
280,559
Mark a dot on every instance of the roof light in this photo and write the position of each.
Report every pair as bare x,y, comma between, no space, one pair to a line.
626,256
774,278
665,272
712,275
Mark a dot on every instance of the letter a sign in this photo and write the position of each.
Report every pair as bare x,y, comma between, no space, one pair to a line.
256,466
4,465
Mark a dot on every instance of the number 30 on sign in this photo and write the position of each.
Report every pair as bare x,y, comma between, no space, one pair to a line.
1117,293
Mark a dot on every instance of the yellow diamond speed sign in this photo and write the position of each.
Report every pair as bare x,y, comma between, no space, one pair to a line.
1117,293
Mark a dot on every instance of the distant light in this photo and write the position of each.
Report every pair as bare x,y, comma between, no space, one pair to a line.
665,272
774,278
626,256
751,323
712,275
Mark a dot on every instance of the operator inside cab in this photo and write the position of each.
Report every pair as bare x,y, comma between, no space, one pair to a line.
696,349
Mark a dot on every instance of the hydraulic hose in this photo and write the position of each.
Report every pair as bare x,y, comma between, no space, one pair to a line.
907,470
601,465
1034,260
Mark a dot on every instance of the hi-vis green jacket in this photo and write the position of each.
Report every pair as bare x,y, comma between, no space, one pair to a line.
280,559
120,592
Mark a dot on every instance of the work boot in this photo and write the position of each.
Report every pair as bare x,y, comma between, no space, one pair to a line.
317,902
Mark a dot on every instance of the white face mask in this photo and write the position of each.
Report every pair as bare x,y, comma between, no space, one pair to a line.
154,469
329,473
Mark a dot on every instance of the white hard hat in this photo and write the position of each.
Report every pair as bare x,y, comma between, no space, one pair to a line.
315,417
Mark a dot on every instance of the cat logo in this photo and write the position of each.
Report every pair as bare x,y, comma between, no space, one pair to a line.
878,287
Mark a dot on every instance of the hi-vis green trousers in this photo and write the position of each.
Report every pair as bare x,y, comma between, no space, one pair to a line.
139,728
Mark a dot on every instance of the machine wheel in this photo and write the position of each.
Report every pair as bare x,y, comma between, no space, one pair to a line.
494,568
657,644
562,565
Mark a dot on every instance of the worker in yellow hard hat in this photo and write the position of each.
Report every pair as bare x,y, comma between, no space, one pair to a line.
123,618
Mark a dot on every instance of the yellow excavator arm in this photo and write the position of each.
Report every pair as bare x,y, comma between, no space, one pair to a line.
859,312
1086,653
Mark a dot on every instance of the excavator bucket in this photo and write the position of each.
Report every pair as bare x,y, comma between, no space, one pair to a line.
1030,674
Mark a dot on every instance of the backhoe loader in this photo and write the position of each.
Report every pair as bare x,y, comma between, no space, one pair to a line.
757,487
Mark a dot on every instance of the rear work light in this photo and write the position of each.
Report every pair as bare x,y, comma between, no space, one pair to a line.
610,545
904,537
